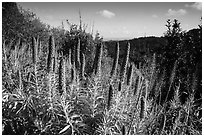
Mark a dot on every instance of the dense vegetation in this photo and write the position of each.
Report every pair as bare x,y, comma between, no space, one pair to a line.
57,81
184,48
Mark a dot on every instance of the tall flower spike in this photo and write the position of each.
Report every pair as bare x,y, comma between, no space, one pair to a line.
20,79
70,59
73,73
34,58
82,66
143,108
136,85
77,55
51,54
35,50
110,96
97,60
125,62
129,75
62,78
124,66
39,46
115,62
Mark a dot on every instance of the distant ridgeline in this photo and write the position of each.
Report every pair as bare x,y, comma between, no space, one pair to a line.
139,47
143,46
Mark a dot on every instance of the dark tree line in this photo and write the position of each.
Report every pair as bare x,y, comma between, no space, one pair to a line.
19,23
183,51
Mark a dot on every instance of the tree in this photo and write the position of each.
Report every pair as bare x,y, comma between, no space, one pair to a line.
173,49
12,19
184,50
19,23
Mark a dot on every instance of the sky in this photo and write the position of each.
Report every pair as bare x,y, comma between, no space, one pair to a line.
124,20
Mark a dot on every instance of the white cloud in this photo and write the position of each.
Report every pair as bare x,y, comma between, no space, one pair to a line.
179,12
196,5
106,13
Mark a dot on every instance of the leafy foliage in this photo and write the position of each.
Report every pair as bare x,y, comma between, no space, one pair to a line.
19,23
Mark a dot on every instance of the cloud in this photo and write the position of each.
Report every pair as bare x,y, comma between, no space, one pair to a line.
154,16
106,13
179,12
196,5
